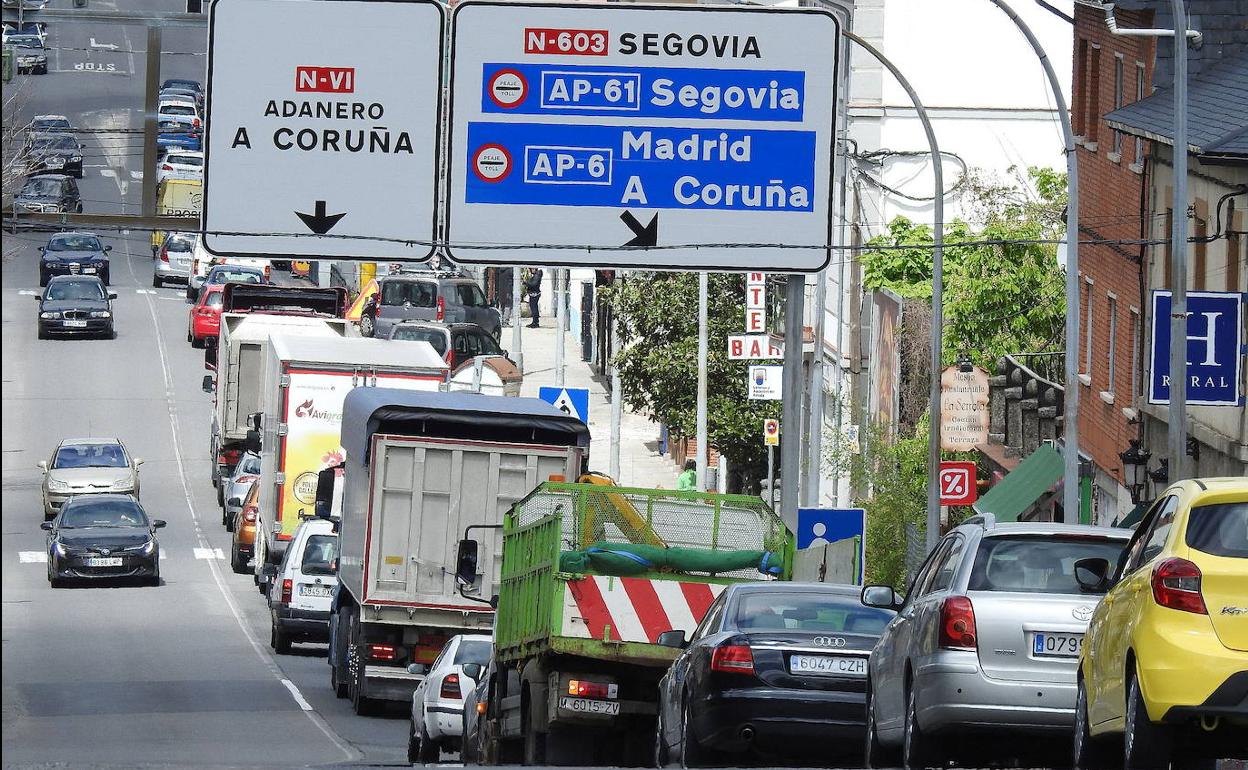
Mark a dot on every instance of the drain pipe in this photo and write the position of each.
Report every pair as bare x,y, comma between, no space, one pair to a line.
1111,22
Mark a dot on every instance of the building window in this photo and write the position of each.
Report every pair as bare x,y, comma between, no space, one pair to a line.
1094,93
1135,356
1234,247
1113,341
1118,94
1139,94
1087,327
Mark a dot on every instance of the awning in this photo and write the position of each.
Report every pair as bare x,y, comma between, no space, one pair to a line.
1131,519
1022,486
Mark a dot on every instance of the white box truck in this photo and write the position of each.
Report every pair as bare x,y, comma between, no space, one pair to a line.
250,313
302,389
421,469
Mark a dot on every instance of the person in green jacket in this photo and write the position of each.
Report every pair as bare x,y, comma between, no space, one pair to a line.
687,481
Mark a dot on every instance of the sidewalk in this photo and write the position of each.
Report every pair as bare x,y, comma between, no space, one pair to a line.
641,465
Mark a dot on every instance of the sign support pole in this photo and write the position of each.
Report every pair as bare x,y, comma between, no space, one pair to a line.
771,475
557,280
1176,430
791,451
617,400
700,419
517,302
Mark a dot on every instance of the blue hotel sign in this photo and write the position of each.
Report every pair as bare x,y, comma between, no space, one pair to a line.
1215,348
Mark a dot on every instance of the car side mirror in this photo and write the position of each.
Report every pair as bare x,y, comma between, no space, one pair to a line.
881,596
252,442
673,638
158,523
46,526
207,385
112,295
473,671
417,668
466,562
42,249
108,248
1092,574
42,465
139,461
235,502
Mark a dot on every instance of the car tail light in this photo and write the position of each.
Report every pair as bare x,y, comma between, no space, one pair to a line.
164,254
957,624
267,272
1176,584
166,167
195,122
249,515
195,265
383,651
441,308
732,659
450,687
287,588
480,707
244,479
450,358
586,689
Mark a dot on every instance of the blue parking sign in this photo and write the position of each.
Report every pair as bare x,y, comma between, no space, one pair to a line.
1215,352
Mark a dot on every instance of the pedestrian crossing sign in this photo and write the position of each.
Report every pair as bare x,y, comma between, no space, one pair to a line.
573,401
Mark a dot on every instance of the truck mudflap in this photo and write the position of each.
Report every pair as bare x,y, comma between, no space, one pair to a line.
393,683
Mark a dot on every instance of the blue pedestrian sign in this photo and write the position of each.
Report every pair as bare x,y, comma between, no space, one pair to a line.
573,401
820,526
1215,349
586,135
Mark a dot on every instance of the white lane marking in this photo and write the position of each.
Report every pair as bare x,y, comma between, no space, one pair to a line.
209,553
136,175
298,696
28,292
108,172
146,291
105,46
265,659
32,557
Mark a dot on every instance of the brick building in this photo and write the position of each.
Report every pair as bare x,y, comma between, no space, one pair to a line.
1110,71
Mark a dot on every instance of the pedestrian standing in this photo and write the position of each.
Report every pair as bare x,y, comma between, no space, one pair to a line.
687,481
502,289
533,287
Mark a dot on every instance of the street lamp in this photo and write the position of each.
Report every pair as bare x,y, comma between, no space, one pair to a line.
1160,476
1134,469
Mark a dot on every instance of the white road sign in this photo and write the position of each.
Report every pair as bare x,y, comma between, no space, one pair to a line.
322,120
608,126
766,383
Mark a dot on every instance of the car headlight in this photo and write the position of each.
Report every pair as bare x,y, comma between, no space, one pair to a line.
50,314
123,485
149,547
60,549
102,314
75,158
56,485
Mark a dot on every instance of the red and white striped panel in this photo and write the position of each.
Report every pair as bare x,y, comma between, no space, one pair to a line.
636,609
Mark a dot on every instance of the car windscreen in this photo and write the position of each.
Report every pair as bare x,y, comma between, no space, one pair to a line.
250,463
432,336
1037,565
469,295
234,276
74,243
1219,530
55,143
185,160
177,109
319,554
808,611
174,126
90,456
42,187
214,299
473,651
72,290
180,243
85,512
50,125
25,41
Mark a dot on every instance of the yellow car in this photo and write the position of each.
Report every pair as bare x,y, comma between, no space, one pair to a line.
1164,666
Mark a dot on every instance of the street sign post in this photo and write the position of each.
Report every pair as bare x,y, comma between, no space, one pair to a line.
610,126
771,432
573,401
1215,352
957,482
317,133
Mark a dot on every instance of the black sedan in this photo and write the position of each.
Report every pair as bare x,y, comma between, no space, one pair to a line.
773,669
76,304
57,153
74,254
103,536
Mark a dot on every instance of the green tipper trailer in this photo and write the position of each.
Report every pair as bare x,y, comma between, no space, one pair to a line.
599,586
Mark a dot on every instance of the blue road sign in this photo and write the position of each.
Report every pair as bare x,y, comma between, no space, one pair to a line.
573,401
1215,350
821,526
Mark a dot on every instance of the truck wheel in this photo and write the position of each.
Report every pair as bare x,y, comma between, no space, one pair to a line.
534,742
362,705
337,661
566,747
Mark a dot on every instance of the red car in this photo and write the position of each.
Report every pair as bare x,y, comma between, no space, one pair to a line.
205,319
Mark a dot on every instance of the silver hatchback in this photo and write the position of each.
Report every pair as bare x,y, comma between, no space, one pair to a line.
173,260
988,638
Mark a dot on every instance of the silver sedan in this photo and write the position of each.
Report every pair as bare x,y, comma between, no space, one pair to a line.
85,466
988,638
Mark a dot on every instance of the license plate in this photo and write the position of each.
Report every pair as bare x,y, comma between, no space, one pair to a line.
88,270
103,561
828,664
1056,645
587,706
55,163
76,324
315,590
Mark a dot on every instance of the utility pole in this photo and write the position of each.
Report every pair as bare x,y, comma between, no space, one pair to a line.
1177,414
700,419
791,393
517,302
617,400
557,279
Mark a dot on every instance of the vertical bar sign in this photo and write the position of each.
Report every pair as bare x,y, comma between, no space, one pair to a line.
755,303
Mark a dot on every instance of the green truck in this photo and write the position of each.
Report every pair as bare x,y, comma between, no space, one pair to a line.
599,587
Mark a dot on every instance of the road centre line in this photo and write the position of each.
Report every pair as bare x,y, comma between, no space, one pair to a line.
265,659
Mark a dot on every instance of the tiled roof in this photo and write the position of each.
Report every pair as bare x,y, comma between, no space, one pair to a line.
1224,24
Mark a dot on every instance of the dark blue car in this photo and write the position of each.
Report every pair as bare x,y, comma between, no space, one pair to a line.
173,133
73,254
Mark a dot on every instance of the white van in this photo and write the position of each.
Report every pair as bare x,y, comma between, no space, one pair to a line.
304,587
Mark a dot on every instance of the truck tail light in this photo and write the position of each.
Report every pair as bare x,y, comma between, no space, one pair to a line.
1176,584
441,308
732,659
957,624
586,689
480,707
450,687
383,651
287,589
450,358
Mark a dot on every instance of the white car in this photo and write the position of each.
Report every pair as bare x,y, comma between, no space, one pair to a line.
180,164
437,719
180,108
303,589
202,262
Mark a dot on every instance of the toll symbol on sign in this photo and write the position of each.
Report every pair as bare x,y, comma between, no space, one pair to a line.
508,88
491,162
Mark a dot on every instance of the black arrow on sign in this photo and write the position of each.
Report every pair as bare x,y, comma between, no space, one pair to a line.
320,223
642,236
